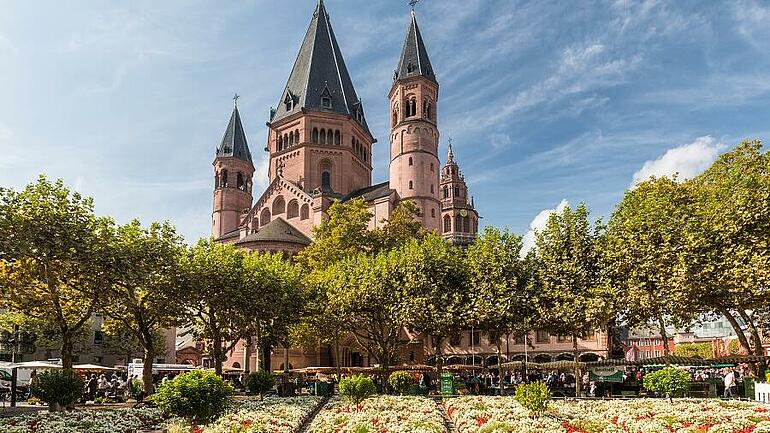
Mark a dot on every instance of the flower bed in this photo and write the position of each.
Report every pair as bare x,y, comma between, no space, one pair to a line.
83,421
504,415
275,415
382,414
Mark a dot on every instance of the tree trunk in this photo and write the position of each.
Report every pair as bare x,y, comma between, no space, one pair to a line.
665,341
337,355
246,355
500,364
737,328
149,355
757,339
67,348
439,358
216,351
576,358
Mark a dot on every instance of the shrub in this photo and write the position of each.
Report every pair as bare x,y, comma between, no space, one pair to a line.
669,381
357,388
197,396
401,381
60,389
534,397
260,382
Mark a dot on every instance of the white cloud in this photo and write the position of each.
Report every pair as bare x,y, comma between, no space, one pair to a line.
684,161
539,224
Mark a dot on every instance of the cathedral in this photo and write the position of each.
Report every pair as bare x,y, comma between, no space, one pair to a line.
320,151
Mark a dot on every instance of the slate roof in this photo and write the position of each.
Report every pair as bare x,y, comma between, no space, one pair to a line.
414,59
277,230
234,142
370,193
319,72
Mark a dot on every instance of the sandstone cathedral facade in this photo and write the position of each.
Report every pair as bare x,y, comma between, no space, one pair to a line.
320,151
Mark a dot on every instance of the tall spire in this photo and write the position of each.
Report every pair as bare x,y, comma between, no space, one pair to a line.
320,80
414,56
450,158
234,141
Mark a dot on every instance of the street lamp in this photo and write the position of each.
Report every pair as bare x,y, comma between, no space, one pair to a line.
16,342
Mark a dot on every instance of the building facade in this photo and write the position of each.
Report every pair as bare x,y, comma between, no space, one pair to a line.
320,151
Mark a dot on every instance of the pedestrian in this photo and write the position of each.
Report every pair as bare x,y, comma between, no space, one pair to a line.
92,386
729,381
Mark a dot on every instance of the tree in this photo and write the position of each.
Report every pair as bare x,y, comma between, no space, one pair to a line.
271,300
366,293
694,350
569,294
728,251
47,334
141,297
123,342
641,256
435,290
210,294
53,257
500,286
402,227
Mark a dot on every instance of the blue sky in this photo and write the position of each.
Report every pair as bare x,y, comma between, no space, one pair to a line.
547,102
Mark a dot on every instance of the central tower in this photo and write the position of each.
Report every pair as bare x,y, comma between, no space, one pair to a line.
414,136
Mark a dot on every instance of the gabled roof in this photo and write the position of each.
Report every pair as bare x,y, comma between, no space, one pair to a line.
319,72
277,230
414,59
370,193
234,142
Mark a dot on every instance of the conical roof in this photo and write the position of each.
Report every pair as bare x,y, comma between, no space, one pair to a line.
414,59
320,80
234,142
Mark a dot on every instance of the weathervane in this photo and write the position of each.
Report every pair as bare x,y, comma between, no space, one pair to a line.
235,99
412,3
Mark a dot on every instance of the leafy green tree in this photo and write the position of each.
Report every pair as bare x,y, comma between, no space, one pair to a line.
260,383
59,388
197,396
46,334
400,381
53,257
500,285
123,342
436,296
641,256
669,381
694,350
357,388
570,298
141,297
271,300
728,250
534,397
402,227
211,293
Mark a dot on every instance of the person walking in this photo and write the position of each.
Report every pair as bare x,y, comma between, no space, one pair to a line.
729,381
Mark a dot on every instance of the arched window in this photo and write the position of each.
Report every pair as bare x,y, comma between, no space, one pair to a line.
240,184
285,141
433,213
224,179
323,136
296,136
337,137
315,135
431,166
216,180
446,192
292,210
466,225
326,180
395,116
411,185
264,217
279,205
426,111
447,224
305,212
457,191
431,188
279,143
410,161
413,107
458,223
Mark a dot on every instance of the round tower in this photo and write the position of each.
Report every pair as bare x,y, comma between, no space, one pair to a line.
233,173
414,136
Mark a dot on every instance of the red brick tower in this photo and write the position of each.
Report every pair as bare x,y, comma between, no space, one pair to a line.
414,136
233,172
318,137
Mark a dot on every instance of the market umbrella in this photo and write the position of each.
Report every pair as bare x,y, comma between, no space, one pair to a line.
35,365
413,367
92,367
463,367
520,364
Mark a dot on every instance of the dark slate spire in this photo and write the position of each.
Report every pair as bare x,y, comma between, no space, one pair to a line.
414,57
319,80
234,142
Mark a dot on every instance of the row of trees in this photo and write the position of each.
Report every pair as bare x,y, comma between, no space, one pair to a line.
670,252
